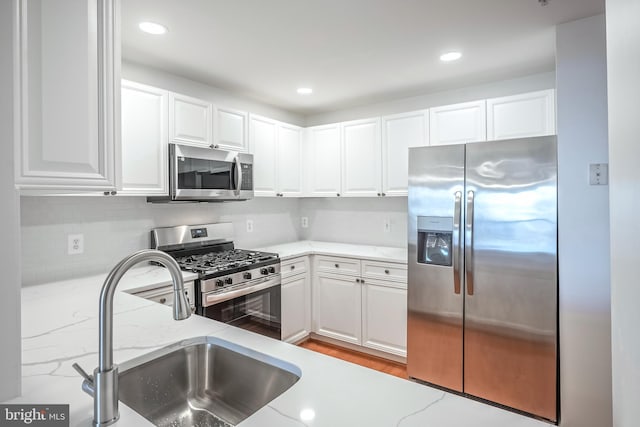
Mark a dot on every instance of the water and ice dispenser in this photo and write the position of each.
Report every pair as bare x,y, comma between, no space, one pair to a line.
435,239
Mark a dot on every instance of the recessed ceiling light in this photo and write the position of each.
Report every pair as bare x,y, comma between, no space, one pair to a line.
307,414
450,56
305,90
152,28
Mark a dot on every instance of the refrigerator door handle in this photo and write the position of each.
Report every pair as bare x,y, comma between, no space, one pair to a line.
469,244
457,245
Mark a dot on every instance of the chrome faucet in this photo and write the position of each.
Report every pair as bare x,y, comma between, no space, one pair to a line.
103,384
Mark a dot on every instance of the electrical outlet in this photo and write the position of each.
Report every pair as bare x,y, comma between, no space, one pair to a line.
599,174
304,222
75,244
249,226
387,225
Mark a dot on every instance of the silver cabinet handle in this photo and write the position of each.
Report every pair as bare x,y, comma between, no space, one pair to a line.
238,176
469,243
457,217
357,280
163,300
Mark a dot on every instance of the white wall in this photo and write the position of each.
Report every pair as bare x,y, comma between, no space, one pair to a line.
356,220
623,67
585,360
220,97
10,347
113,227
471,93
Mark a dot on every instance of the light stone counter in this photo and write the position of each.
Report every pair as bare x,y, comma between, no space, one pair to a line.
59,327
309,247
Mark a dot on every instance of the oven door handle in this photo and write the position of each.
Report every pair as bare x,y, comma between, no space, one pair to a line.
215,298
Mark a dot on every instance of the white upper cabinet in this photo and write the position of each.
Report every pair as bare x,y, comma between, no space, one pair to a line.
145,130
399,132
276,149
519,116
323,161
67,108
263,134
231,129
361,158
289,160
458,124
190,120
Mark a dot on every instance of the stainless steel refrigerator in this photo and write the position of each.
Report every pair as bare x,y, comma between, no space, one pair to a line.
483,281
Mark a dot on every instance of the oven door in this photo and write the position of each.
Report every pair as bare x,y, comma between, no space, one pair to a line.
256,308
204,174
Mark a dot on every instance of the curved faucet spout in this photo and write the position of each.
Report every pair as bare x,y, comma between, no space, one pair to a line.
106,374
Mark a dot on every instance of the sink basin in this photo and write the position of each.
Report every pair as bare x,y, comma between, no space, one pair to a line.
203,382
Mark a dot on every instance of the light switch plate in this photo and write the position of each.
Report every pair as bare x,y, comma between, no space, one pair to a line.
249,226
599,174
304,222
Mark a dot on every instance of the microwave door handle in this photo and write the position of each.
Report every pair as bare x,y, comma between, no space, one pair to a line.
238,176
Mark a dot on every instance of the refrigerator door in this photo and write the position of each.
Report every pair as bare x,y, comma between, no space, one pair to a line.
510,338
435,264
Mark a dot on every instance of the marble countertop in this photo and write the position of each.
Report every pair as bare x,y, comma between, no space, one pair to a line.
310,247
60,327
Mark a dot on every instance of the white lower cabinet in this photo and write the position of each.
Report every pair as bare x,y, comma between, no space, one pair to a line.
338,307
296,299
384,316
353,307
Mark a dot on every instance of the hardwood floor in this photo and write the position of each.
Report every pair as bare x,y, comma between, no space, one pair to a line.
362,359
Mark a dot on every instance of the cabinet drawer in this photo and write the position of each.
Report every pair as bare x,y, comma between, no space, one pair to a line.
347,266
294,266
384,270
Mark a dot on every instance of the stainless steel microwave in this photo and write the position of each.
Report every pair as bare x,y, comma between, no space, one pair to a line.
199,174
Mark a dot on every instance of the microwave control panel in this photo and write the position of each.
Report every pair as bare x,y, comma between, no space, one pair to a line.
247,176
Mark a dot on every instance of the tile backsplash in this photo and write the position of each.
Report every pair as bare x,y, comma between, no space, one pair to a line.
113,227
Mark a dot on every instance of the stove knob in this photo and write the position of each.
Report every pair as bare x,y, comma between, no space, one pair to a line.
228,280
264,271
219,283
246,276
272,270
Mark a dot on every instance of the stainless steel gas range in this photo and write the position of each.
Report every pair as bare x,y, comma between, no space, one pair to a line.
234,286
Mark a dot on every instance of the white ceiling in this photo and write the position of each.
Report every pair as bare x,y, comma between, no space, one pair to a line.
351,52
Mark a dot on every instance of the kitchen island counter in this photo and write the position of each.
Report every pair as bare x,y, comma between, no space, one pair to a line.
60,327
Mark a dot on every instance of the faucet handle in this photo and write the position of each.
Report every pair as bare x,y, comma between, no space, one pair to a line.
82,372
88,385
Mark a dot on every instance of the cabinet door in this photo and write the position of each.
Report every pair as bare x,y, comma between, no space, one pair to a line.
289,170
190,120
323,161
337,307
68,77
384,316
458,124
144,139
361,158
521,116
399,132
231,129
296,308
263,140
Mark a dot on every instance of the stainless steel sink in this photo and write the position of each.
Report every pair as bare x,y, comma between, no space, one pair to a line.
203,382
